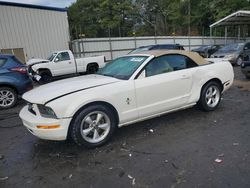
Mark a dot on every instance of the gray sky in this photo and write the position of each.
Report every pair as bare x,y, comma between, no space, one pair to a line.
53,3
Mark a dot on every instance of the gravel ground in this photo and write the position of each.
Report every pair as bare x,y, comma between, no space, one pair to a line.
175,150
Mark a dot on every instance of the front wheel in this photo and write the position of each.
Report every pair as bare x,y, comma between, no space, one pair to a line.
93,126
46,77
210,96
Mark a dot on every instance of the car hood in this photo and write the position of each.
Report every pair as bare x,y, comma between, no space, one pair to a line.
226,53
36,61
47,92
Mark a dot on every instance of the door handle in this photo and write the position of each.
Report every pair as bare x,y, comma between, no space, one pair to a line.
70,62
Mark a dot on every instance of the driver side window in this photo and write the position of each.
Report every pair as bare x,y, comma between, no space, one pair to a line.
168,63
158,66
63,56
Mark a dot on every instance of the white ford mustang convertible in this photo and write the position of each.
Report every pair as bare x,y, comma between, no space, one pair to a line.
131,88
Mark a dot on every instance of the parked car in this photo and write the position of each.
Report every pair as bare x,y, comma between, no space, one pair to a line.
234,53
14,80
131,88
61,63
245,69
158,47
207,50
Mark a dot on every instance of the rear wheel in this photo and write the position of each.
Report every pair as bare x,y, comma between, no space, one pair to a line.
8,97
210,96
93,126
92,68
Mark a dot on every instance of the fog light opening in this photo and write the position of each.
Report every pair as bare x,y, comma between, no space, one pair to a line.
48,126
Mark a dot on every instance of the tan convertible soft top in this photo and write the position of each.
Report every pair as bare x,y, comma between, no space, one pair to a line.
192,55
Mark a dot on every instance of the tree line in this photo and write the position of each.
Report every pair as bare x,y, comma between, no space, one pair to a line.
122,18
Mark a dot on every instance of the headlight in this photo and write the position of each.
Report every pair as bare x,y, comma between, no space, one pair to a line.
46,111
212,56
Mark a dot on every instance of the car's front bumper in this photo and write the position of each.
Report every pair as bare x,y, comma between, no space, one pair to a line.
31,121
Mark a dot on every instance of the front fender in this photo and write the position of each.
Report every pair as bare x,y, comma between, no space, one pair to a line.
115,94
67,106
36,67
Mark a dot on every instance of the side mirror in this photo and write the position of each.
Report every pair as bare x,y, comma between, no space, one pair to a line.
142,75
56,60
245,48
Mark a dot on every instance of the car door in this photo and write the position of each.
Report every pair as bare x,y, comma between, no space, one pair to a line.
62,64
164,84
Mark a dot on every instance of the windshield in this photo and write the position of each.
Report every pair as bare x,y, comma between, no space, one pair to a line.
205,47
51,57
123,67
232,47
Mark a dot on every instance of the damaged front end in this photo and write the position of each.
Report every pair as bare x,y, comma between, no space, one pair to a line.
33,74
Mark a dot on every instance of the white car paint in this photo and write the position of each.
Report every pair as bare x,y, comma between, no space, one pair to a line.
165,93
70,66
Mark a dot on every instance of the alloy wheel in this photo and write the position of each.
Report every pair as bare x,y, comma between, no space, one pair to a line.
212,96
95,127
7,98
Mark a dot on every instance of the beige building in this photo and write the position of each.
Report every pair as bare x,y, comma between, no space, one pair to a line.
32,31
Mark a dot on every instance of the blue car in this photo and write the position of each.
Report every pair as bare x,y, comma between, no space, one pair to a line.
14,80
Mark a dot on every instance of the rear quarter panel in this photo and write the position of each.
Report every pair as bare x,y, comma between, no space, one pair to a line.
83,62
219,69
16,80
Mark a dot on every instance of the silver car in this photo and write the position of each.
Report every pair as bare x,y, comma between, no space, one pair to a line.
234,53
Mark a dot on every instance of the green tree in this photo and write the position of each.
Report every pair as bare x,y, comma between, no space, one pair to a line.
118,18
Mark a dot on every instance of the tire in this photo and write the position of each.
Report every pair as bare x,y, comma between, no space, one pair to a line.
239,61
247,77
92,68
8,97
93,126
210,96
46,77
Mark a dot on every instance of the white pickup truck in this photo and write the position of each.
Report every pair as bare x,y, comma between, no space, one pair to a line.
61,63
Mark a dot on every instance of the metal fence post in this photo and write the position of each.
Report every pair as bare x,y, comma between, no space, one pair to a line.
78,48
225,35
189,43
135,41
83,51
110,48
